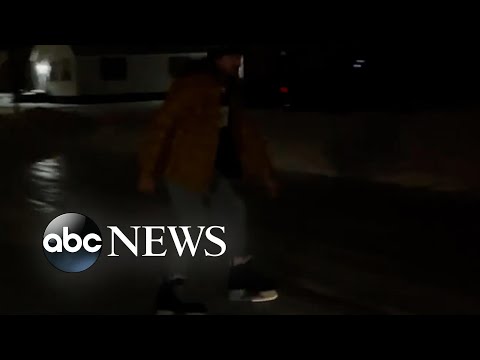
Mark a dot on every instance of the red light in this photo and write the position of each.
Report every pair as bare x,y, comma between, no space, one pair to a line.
284,90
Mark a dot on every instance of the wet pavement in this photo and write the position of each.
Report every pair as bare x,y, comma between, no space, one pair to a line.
96,186
336,246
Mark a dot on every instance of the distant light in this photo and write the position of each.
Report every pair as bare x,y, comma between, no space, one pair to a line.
283,53
357,66
361,61
284,90
43,68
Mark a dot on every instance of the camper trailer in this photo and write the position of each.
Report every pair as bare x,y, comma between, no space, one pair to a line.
76,70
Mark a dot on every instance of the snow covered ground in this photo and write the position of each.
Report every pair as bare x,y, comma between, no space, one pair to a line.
7,107
6,100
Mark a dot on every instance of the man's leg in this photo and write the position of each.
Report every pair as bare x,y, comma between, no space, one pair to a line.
229,210
189,210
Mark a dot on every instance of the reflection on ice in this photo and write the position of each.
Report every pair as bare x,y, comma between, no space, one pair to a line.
47,169
44,178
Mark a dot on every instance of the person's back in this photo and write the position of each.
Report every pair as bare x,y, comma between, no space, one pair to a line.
181,142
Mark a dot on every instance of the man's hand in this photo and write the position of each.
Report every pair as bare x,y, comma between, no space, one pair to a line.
146,184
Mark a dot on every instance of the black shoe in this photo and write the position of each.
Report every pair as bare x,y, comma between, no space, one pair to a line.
245,284
168,302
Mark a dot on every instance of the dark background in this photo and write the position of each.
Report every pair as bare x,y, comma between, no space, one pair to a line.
398,74
379,171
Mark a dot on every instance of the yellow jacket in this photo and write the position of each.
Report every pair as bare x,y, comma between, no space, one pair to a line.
181,142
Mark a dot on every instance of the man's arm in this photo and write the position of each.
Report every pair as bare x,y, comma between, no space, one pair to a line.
159,130
255,154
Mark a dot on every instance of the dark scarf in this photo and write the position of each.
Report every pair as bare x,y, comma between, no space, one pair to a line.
227,161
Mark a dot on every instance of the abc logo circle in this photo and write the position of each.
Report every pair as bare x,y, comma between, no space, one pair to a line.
72,243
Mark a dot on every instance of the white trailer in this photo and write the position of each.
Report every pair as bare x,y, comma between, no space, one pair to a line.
71,70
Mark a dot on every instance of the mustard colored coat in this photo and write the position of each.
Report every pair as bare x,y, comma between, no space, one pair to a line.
181,142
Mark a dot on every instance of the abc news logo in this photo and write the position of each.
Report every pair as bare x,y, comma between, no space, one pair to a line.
73,242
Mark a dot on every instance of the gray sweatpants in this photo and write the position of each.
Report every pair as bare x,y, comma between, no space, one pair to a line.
222,206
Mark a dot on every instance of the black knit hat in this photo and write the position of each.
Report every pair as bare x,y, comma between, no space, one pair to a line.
219,51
